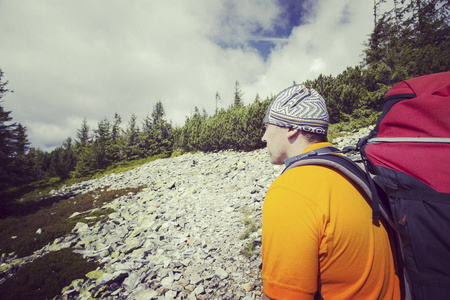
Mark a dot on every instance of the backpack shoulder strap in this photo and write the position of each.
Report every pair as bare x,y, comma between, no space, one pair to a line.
329,158
340,163
324,150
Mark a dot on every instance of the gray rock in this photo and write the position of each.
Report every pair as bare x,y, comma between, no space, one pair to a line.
145,295
179,238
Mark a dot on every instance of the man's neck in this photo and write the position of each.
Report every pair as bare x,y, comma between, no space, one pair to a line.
312,149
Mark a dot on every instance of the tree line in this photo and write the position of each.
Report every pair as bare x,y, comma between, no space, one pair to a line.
94,149
411,40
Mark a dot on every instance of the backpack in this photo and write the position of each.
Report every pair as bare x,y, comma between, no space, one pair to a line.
407,176
409,153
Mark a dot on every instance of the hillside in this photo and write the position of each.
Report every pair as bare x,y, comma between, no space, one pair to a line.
193,231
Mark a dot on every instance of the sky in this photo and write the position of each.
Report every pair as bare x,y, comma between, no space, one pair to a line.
70,60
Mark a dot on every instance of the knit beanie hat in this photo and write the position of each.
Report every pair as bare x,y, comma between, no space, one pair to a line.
300,107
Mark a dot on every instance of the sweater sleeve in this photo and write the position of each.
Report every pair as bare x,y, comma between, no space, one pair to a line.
292,231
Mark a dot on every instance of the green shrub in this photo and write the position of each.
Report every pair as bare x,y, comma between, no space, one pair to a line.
46,276
365,119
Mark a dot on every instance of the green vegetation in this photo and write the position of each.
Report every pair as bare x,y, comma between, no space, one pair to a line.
18,233
238,128
347,127
45,277
250,227
23,199
124,166
249,249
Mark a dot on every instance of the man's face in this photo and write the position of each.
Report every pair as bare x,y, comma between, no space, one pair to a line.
276,139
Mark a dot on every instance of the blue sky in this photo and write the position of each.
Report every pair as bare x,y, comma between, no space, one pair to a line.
264,39
75,59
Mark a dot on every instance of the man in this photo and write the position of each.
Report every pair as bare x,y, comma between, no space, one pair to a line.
318,233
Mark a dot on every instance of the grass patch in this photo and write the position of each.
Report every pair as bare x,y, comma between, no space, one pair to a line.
128,165
250,227
54,221
177,152
12,199
46,276
249,224
37,194
249,249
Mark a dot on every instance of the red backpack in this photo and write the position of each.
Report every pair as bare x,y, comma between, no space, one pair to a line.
408,155
408,152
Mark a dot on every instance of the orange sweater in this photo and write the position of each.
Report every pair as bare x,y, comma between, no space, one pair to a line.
318,232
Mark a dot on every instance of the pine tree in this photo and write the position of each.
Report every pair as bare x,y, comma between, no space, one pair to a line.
117,140
21,167
191,132
84,151
132,139
162,136
6,137
40,164
83,133
63,160
429,36
409,41
218,100
238,102
85,162
146,137
14,145
102,144
21,138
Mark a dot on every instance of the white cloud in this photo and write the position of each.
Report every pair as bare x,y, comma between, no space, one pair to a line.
317,66
330,41
67,60
237,20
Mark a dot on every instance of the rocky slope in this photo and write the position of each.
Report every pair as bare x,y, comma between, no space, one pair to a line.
184,236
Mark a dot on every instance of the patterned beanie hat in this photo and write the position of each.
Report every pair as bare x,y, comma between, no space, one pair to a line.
299,107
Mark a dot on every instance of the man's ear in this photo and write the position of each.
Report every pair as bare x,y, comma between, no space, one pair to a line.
292,132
